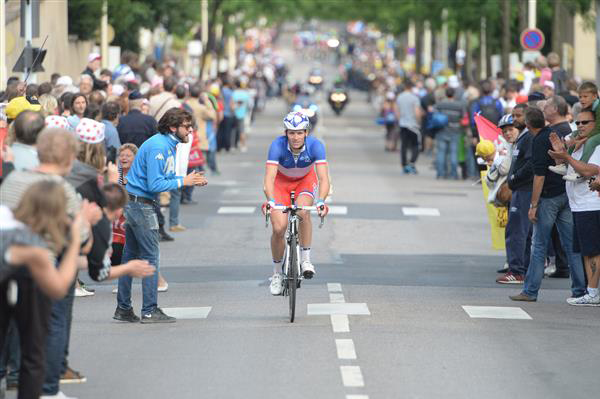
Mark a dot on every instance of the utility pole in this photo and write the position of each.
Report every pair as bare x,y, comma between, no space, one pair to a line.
482,49
204,32
27,23
445,37
104,34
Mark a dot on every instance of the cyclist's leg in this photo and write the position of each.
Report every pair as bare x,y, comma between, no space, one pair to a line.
283,189
305,228
279,223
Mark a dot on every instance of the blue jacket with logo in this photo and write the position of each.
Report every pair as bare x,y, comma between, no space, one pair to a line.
153,169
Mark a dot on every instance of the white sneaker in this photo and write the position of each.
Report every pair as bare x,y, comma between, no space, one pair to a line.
585,300
79,292
550,269
276,286
115,290
308,270
163,288
59,395
574,177
559,169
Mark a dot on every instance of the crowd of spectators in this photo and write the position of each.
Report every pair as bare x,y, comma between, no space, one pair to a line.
87,163
535,140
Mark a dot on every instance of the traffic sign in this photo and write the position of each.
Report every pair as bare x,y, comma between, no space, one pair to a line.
532,39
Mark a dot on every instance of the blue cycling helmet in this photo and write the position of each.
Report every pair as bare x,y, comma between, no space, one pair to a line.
296,121
506,120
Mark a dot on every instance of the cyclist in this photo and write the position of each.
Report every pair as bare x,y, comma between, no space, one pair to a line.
296,162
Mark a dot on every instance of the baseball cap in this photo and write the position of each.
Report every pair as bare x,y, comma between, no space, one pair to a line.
485,148
94,57
135,95
536,96
18,105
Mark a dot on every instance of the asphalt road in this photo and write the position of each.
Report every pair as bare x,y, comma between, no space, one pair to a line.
407,276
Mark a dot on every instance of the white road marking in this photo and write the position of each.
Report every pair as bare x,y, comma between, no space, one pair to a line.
334,287
340,323
318,309
232,191
225,183
336,297
230,210
420,211
357,397
345,349
188,312
496,312
338,210
352,376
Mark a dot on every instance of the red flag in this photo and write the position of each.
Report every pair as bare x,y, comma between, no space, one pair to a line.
486,129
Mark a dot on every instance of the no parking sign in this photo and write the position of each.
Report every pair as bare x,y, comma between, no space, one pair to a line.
532,39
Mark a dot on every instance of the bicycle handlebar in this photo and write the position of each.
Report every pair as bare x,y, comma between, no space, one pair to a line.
288,208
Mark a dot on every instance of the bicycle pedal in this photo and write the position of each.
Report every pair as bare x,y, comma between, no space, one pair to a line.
308,274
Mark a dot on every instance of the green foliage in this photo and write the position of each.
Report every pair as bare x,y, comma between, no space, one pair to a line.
84,17
128,16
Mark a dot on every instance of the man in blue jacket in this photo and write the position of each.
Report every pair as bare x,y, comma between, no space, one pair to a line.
152,172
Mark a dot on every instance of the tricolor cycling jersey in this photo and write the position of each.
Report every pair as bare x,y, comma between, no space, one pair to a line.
280,154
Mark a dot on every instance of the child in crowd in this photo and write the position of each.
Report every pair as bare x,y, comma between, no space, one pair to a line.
588,98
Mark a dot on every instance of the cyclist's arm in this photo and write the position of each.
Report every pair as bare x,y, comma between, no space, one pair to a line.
323,175
269,183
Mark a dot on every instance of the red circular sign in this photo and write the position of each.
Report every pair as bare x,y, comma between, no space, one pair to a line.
532,39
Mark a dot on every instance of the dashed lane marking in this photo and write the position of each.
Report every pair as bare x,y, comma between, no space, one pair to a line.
345,349
188,312
316,309
408,211
334,287
352,376
357,397
336,297
340,323
496,312
232,210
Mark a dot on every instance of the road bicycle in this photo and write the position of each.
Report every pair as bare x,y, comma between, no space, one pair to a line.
292,274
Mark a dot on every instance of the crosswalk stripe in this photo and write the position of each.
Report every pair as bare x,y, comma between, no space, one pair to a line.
496,312
338,210
357,397
411,211
230,210
188,312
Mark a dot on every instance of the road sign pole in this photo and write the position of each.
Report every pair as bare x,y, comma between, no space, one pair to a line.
532,14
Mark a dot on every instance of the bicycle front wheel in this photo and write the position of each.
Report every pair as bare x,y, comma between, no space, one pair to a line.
292,276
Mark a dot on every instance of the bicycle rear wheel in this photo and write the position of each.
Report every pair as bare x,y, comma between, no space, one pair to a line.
292,276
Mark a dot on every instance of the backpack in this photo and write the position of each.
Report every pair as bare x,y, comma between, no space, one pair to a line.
489,111
436,121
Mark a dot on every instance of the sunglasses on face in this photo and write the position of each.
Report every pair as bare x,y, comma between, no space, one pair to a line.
186,126
583,122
